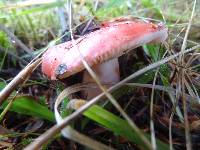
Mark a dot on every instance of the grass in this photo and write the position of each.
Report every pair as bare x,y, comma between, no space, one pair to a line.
37,25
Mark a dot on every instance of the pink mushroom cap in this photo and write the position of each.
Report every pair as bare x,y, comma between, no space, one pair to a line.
112,40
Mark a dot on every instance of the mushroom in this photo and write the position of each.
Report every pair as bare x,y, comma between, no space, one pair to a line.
101,49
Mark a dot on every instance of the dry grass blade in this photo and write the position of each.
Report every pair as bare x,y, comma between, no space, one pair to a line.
188,28
192,59
42,139
182,80
192,90
71,133
153,138
187,129
170,130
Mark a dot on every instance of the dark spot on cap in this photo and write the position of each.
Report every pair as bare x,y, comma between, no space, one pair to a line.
61,69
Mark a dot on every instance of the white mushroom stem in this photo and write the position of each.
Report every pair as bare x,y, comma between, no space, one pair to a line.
108,73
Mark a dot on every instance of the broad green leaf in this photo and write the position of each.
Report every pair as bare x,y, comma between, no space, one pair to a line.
26,105
152,50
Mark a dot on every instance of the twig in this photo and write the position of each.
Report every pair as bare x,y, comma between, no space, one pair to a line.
42,139
20,78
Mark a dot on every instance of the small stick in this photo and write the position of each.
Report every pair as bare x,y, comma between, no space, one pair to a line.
20,78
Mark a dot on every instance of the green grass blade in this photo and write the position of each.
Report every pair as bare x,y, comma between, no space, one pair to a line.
31,10
26,105
118,126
